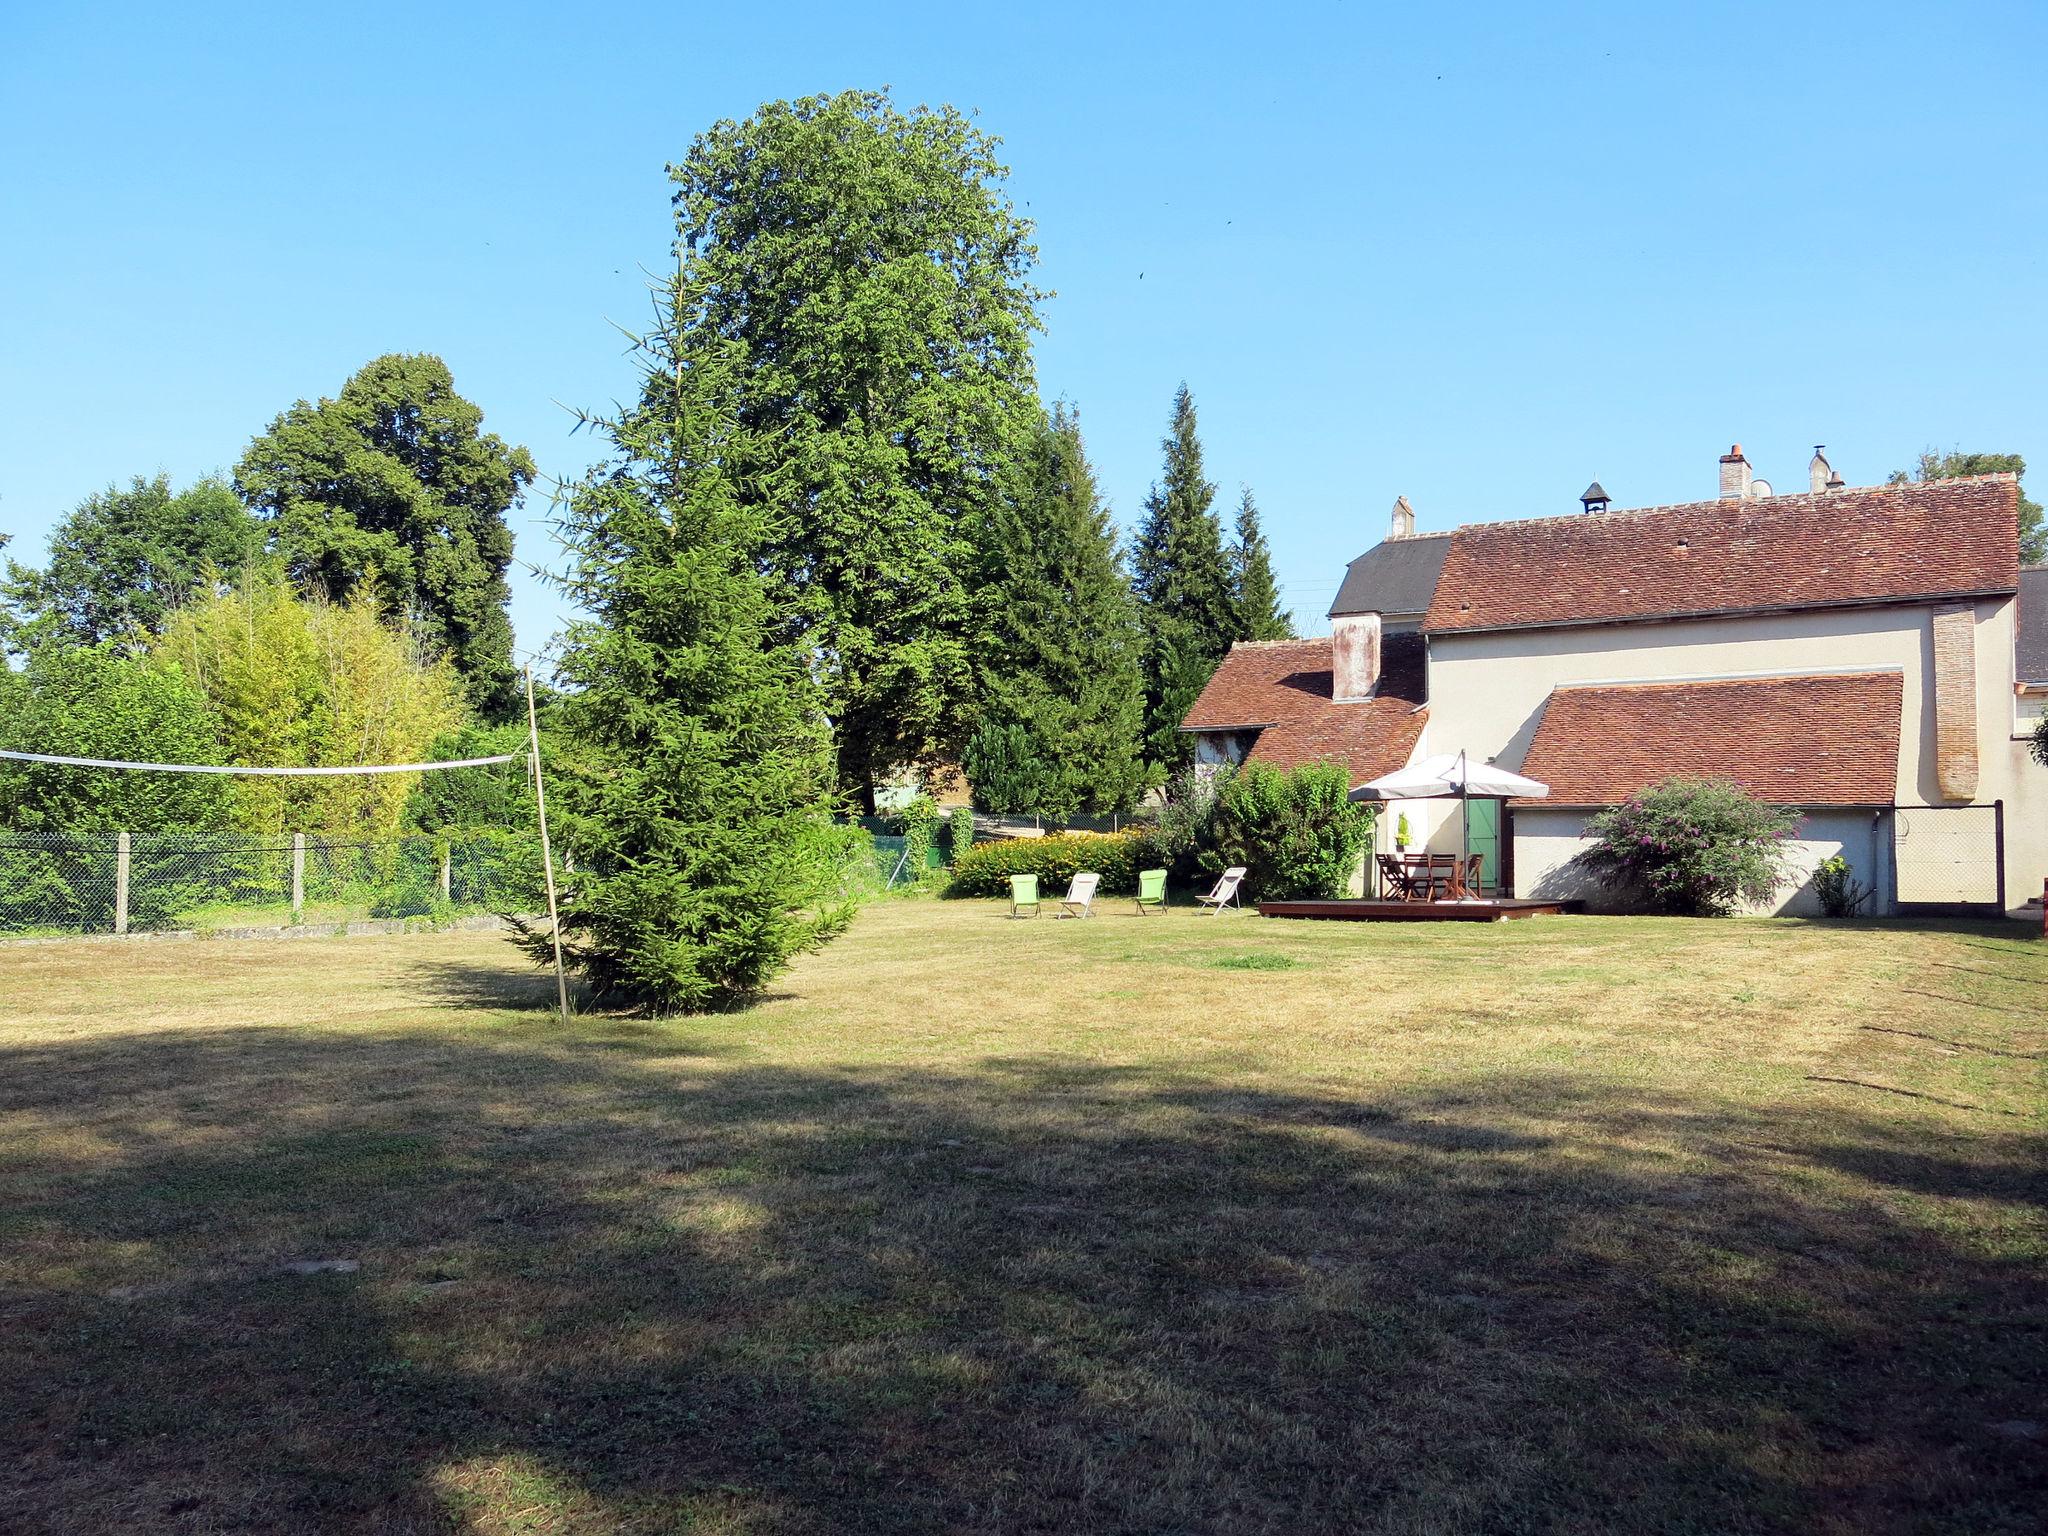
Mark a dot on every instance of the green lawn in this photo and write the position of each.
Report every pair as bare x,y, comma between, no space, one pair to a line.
1161,1225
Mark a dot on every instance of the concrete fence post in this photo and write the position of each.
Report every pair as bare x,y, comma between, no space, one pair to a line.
120,882
298,878
447,871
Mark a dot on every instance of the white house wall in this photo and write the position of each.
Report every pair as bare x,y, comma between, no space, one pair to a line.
1547,841
1487,691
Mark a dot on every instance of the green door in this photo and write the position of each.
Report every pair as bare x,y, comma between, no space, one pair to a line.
1482,833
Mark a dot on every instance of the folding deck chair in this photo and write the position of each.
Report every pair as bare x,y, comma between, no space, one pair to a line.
1023,895
1225,894
1080,898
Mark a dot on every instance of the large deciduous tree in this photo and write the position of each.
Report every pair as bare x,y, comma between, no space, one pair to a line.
395,485
93,701
874,277
1061,696
125,557
303,682
1954,464
1182,580
1254,591
695,780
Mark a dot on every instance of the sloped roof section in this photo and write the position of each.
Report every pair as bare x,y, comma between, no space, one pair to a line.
2033,619
1939,538
1828,739
1395,576
1282,688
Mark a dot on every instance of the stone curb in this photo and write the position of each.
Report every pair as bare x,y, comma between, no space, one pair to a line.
365,927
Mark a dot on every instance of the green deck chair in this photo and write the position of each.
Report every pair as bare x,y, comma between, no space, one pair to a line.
1151,890
1023,894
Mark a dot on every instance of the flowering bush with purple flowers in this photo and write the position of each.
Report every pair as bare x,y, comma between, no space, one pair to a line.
1694,847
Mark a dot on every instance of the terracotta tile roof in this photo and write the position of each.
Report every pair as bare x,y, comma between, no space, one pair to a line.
1814,740
1931,539
1281,688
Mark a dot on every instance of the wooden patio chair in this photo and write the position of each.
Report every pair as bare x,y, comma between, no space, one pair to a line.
1468,882
1023,895
1151,891
1394,875
1080,898
1225,893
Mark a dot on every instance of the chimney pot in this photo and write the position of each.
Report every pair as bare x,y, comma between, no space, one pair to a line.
1820,474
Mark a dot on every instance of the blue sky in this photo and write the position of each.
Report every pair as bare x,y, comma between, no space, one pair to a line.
1477,256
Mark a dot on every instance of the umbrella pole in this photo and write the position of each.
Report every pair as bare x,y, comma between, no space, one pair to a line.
1464,821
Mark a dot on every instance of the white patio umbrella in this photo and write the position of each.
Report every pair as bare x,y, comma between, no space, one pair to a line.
1452,775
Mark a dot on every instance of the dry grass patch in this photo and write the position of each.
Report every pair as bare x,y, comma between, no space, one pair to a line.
1166,1225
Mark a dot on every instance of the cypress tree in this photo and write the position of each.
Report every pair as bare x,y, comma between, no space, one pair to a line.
1059,642
695,775
1182,581
1253,589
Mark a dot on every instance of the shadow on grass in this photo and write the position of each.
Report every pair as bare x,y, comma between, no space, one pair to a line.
610,1283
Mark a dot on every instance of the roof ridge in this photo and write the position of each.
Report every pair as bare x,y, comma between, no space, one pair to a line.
1809,497
1829,675
1265,645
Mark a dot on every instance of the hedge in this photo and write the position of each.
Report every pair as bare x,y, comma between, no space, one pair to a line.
985,868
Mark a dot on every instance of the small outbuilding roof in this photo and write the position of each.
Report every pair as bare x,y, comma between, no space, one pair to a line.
1809,740
1396,576
1282,688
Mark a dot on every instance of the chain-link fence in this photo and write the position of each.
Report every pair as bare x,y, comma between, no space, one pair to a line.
1950,857
112,882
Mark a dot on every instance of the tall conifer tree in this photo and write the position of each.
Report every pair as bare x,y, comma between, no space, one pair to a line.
1182,580
1059,642
695,782
1253,589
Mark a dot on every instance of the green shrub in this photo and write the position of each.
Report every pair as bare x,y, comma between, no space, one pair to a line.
918,824
1693,847
1009,772
1181,837
985,869
1296,832
2039,745
1836,885
960,830
413,900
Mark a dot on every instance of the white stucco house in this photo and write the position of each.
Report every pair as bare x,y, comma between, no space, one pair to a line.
1873,656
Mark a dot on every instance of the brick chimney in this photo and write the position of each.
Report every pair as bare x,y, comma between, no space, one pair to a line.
1735,475
1354,656
1404,519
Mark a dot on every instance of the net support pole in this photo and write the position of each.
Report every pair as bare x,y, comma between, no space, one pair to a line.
121,862
547,857
298,878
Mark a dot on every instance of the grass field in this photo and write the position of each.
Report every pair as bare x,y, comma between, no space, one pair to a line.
1173,1225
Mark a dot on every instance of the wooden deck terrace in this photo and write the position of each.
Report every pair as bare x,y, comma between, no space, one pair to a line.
1496,909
